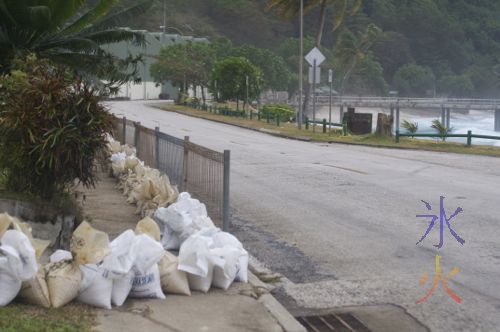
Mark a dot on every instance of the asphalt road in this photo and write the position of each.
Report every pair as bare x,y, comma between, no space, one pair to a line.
339,221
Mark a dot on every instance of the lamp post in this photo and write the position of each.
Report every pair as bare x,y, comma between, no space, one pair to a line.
301,56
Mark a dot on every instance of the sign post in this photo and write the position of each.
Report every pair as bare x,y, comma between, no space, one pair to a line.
330,80
314,58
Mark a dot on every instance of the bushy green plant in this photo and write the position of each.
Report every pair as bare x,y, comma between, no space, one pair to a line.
441,129
52,127
286,112
411,127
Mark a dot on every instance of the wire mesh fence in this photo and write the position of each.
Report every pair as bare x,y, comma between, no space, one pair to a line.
202,172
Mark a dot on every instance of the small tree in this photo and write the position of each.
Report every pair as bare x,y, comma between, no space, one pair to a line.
231,75
411,127
52,127
441,129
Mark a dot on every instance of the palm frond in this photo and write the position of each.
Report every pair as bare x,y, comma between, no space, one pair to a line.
122,17
115,36
63,10
339,12
99,10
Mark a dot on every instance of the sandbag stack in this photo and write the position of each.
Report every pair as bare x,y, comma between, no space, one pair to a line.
144,186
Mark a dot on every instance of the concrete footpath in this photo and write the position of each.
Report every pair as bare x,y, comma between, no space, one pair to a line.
244,307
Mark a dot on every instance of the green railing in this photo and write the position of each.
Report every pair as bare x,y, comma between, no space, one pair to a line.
325,124
469,136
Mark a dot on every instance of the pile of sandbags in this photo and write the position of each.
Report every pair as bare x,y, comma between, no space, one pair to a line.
181,220
213,258
143,185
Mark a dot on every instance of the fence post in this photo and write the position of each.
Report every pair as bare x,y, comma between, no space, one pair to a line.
324,126
157,147
251,115
344,128
185,164
397,136
225,207
278,120
469,138
307,123
124,130
136,136
267,117
258,115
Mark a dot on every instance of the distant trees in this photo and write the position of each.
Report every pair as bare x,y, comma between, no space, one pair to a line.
229,80
413,80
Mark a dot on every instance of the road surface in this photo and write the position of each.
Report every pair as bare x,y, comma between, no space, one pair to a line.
339,221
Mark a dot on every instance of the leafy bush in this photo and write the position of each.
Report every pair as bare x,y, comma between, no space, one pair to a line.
286,112
51,128
411,127
441,129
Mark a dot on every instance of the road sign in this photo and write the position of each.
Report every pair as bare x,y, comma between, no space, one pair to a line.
330,76
311,75
315,54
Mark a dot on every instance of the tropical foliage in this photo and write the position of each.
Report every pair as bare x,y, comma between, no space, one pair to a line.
66,32
52,127
411,127
441,129
230,77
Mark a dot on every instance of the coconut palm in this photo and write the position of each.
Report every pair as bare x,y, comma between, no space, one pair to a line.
442,130
290,9
67,33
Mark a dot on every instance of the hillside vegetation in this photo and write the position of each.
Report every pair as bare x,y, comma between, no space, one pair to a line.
425,47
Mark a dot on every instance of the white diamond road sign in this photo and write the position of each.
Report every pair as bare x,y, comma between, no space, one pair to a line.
315,54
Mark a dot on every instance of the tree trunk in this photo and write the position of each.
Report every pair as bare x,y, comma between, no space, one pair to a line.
384,125
203,94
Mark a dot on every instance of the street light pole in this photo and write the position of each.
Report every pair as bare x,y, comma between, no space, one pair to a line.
301,56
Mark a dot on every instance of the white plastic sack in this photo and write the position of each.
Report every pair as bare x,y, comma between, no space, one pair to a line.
60,255
20,242
121,288
224,275
122,257
10,284
89,245
147,285
95,288
201,283
149,227
173,280
224,239
148,253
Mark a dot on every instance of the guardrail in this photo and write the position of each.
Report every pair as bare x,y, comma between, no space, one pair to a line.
469,136
202,172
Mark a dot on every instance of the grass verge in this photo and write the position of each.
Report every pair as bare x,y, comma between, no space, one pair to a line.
290,130
73,317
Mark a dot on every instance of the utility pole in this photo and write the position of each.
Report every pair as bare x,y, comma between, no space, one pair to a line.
301,56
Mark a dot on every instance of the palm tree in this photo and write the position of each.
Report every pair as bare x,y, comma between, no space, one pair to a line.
350,49
64,32
290,9
442,130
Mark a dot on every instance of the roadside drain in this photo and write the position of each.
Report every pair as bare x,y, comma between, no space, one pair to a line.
344,322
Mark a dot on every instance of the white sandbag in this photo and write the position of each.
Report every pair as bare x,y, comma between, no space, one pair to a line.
148,253
95,288
60,255
26,252
121,288
35,290
63,282
10,283
225,273
194,255
147,285
224,239
201,283
5,222
173,280
122,257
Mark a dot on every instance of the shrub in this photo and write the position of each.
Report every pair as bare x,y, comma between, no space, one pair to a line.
441,129
411,127
286,112
52,127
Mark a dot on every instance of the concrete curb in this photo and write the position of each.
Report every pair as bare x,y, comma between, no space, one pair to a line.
284,318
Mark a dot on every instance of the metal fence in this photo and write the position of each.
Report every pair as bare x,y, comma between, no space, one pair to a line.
202,172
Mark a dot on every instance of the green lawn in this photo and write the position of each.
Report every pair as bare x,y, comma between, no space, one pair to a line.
73,317
289,129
